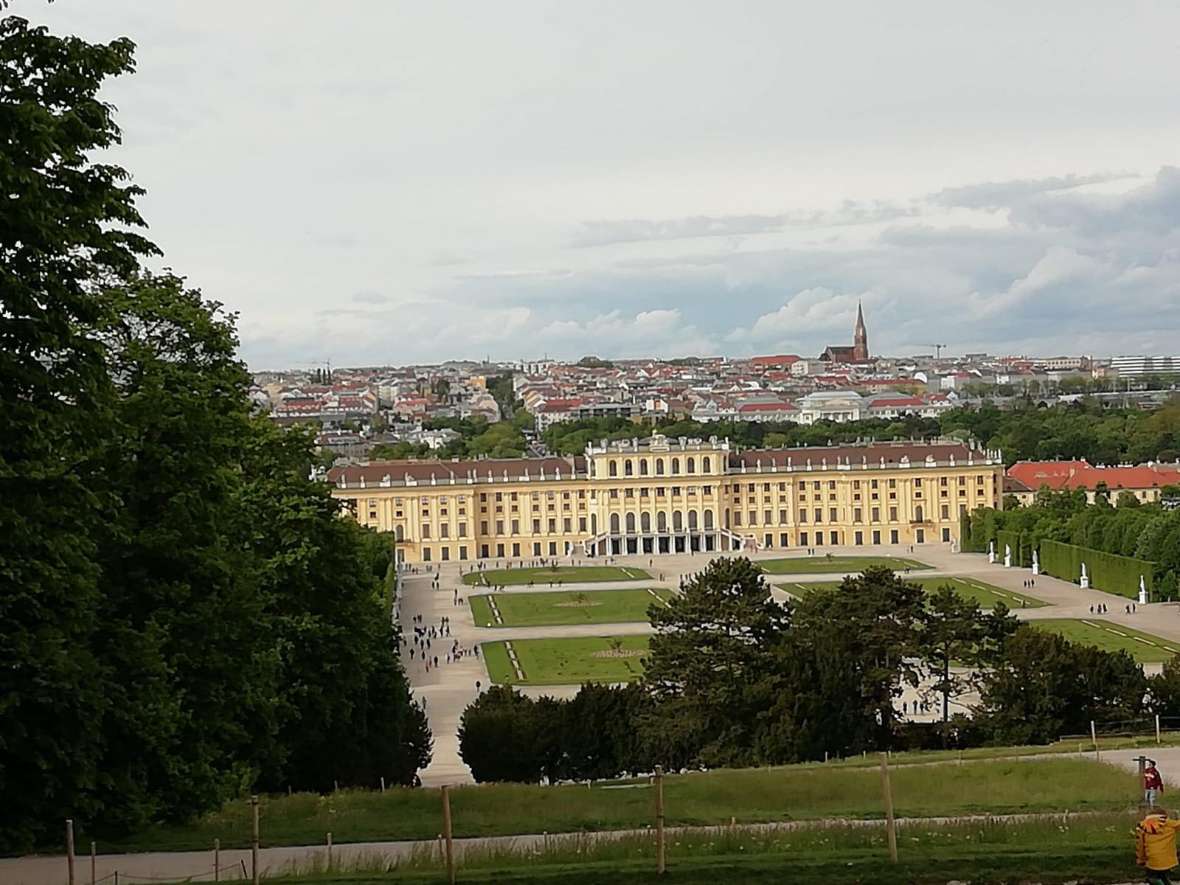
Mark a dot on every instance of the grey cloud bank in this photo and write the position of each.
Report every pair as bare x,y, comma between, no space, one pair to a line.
401,182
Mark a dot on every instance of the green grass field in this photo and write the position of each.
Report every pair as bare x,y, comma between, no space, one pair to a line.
565,574
567,661
547,608
1144,647
987,595
831,565
791,793
1087,849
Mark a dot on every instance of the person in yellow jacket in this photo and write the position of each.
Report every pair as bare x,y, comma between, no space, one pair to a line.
1155,846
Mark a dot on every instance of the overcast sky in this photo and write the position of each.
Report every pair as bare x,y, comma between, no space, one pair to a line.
373,181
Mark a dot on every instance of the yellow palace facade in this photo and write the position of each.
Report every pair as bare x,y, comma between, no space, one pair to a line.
659,495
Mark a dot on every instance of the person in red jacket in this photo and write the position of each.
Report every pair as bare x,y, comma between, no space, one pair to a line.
1153,784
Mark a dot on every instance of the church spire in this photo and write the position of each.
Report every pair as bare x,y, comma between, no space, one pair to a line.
860,337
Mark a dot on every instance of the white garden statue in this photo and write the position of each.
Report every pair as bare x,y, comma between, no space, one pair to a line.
1142,591
1007,556
991,551
1085,579
1036,568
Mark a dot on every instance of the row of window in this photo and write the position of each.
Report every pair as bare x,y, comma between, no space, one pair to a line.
629,468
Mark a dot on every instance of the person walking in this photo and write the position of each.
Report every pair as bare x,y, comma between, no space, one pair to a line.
1153,784
1155,846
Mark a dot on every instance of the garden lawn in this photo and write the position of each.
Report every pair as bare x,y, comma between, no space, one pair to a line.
985,594
545,608
824,565
1108,636
564,574
809,792
566,661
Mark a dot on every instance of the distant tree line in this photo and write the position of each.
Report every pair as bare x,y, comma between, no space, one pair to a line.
183,615
1078,430
733,678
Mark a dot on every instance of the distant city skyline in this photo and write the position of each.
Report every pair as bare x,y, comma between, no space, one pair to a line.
403,183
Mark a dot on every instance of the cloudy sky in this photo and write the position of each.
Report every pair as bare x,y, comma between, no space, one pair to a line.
375,181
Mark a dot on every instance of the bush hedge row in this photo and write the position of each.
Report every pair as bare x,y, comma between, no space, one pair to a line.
1108,571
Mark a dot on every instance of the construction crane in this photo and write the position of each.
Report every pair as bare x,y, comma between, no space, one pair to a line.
937,349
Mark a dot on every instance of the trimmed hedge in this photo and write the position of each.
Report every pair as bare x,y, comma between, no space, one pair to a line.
1108,571
1021,554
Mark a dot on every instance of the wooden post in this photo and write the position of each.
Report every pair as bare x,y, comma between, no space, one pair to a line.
70,848
329,849
448,842
1157,728
254,841
116,877
216,860
93,863
890,824
382,783
661,856
1094,735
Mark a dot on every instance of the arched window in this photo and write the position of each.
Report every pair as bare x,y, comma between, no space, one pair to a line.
691,465
661,521
918,513
708,519
643,466
645,522
675,465
614,468
399,533
705,465
594,523
614,523
630,523
659,466
692,519
727,519
627,470
677,521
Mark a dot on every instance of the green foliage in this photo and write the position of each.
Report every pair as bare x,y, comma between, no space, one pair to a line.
1107,571
955,631
712,651
183,614
1043,686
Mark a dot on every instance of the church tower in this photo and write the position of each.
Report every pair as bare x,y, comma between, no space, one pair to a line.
860,338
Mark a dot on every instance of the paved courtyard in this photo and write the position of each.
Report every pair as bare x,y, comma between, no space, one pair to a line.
448,688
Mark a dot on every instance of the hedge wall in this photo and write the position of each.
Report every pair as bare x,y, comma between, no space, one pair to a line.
1107,571
1021,553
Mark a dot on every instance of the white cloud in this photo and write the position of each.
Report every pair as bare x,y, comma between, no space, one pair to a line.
506,183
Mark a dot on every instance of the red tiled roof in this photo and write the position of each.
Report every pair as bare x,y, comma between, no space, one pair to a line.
767,407
1058,475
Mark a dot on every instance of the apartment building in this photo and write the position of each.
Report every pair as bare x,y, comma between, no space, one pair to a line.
661,495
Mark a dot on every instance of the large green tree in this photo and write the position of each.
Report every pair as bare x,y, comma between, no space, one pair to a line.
67,224
713,649
183,615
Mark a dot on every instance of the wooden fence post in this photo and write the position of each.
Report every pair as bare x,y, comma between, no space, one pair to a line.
382,783
93,863
70,848
1157,728
216,860
1094,736
661,856
329,849
254,841
890,824
449,844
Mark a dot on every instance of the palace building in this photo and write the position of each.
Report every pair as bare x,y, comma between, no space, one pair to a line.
662,495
